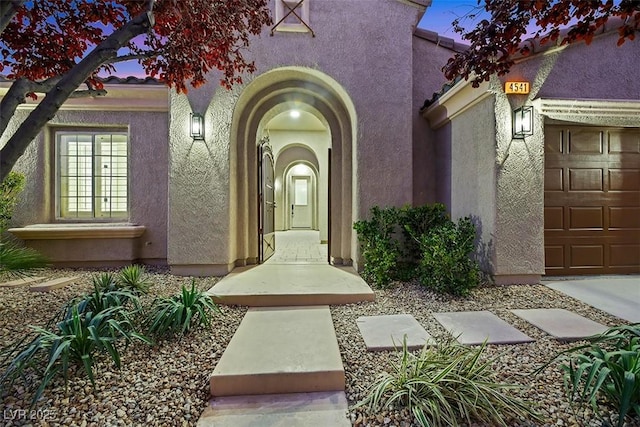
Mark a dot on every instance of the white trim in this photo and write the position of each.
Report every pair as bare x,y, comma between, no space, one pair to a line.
564,109
461,97
78,231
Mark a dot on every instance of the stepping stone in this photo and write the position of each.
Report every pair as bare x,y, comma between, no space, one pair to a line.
53,284
387,332
562,324
20,282
281,350
277,410
474,327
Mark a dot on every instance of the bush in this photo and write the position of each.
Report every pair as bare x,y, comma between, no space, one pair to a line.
607,366
445,265
15,259
444,385
380,248
9,190
418,221
402,244
176,314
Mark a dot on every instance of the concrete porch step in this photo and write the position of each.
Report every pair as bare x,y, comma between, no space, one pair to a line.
281,350
273,285
278,410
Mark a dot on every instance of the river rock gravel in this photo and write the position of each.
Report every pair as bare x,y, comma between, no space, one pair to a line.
167,384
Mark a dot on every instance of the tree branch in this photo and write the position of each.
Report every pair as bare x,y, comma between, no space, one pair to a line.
87,93
15,96
46,110
131,57
8,9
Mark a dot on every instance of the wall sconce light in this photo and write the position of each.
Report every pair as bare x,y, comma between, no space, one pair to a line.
523,122
197,127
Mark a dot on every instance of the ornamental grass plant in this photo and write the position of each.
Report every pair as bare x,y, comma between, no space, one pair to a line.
177,314
447,385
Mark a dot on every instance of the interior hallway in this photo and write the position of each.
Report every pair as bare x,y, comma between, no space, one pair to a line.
299,247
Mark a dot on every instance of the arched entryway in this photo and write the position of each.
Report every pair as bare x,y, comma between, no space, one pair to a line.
269,95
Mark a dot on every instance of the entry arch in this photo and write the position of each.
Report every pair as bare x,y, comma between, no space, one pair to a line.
316,92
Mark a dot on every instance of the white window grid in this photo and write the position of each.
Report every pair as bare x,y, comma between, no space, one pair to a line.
92,175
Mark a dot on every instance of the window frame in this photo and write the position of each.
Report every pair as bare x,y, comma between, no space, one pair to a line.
93,216
281,11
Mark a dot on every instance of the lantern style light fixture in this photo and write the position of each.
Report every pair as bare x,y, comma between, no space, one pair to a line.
523,122
197,127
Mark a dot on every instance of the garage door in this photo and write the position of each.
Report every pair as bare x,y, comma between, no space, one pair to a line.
592,200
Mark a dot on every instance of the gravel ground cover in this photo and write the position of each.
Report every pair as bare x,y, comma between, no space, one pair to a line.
167,385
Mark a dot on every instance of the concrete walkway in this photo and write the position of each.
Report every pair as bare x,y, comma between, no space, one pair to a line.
269,352
616,295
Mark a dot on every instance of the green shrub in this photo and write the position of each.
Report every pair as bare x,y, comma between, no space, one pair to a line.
446,384
607,366
177,313
418,221
446,265
396,246
75,341
9,190
380,248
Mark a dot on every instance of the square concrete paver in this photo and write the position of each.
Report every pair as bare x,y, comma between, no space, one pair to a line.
474,327
387,332
562,324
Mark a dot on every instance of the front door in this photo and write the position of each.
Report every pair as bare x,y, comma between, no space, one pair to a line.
302,206
266,201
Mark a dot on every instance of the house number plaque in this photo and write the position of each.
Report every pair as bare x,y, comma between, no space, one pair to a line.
519,88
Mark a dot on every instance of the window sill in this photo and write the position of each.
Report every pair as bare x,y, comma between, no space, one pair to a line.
79,231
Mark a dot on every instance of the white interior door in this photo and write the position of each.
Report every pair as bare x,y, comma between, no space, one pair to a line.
302,206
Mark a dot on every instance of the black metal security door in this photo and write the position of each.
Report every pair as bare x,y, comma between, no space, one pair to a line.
266,201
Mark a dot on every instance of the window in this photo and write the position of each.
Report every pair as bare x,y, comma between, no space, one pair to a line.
92,175
286,19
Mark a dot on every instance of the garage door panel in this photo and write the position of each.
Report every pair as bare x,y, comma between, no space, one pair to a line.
553,143
554,218
624,255
624,180
586,218
624,218
585,179
592,200
585,141
624,142
554,257
586,256
554,179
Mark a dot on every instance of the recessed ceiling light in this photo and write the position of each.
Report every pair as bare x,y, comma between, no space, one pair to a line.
294,114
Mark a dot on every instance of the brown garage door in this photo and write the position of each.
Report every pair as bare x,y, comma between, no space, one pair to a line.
591,200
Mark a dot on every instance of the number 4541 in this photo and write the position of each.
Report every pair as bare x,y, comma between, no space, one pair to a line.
520,88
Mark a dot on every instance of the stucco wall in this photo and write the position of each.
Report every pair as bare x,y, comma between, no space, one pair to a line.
511,209
473,176
147,167
373,63
428,60
370,61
